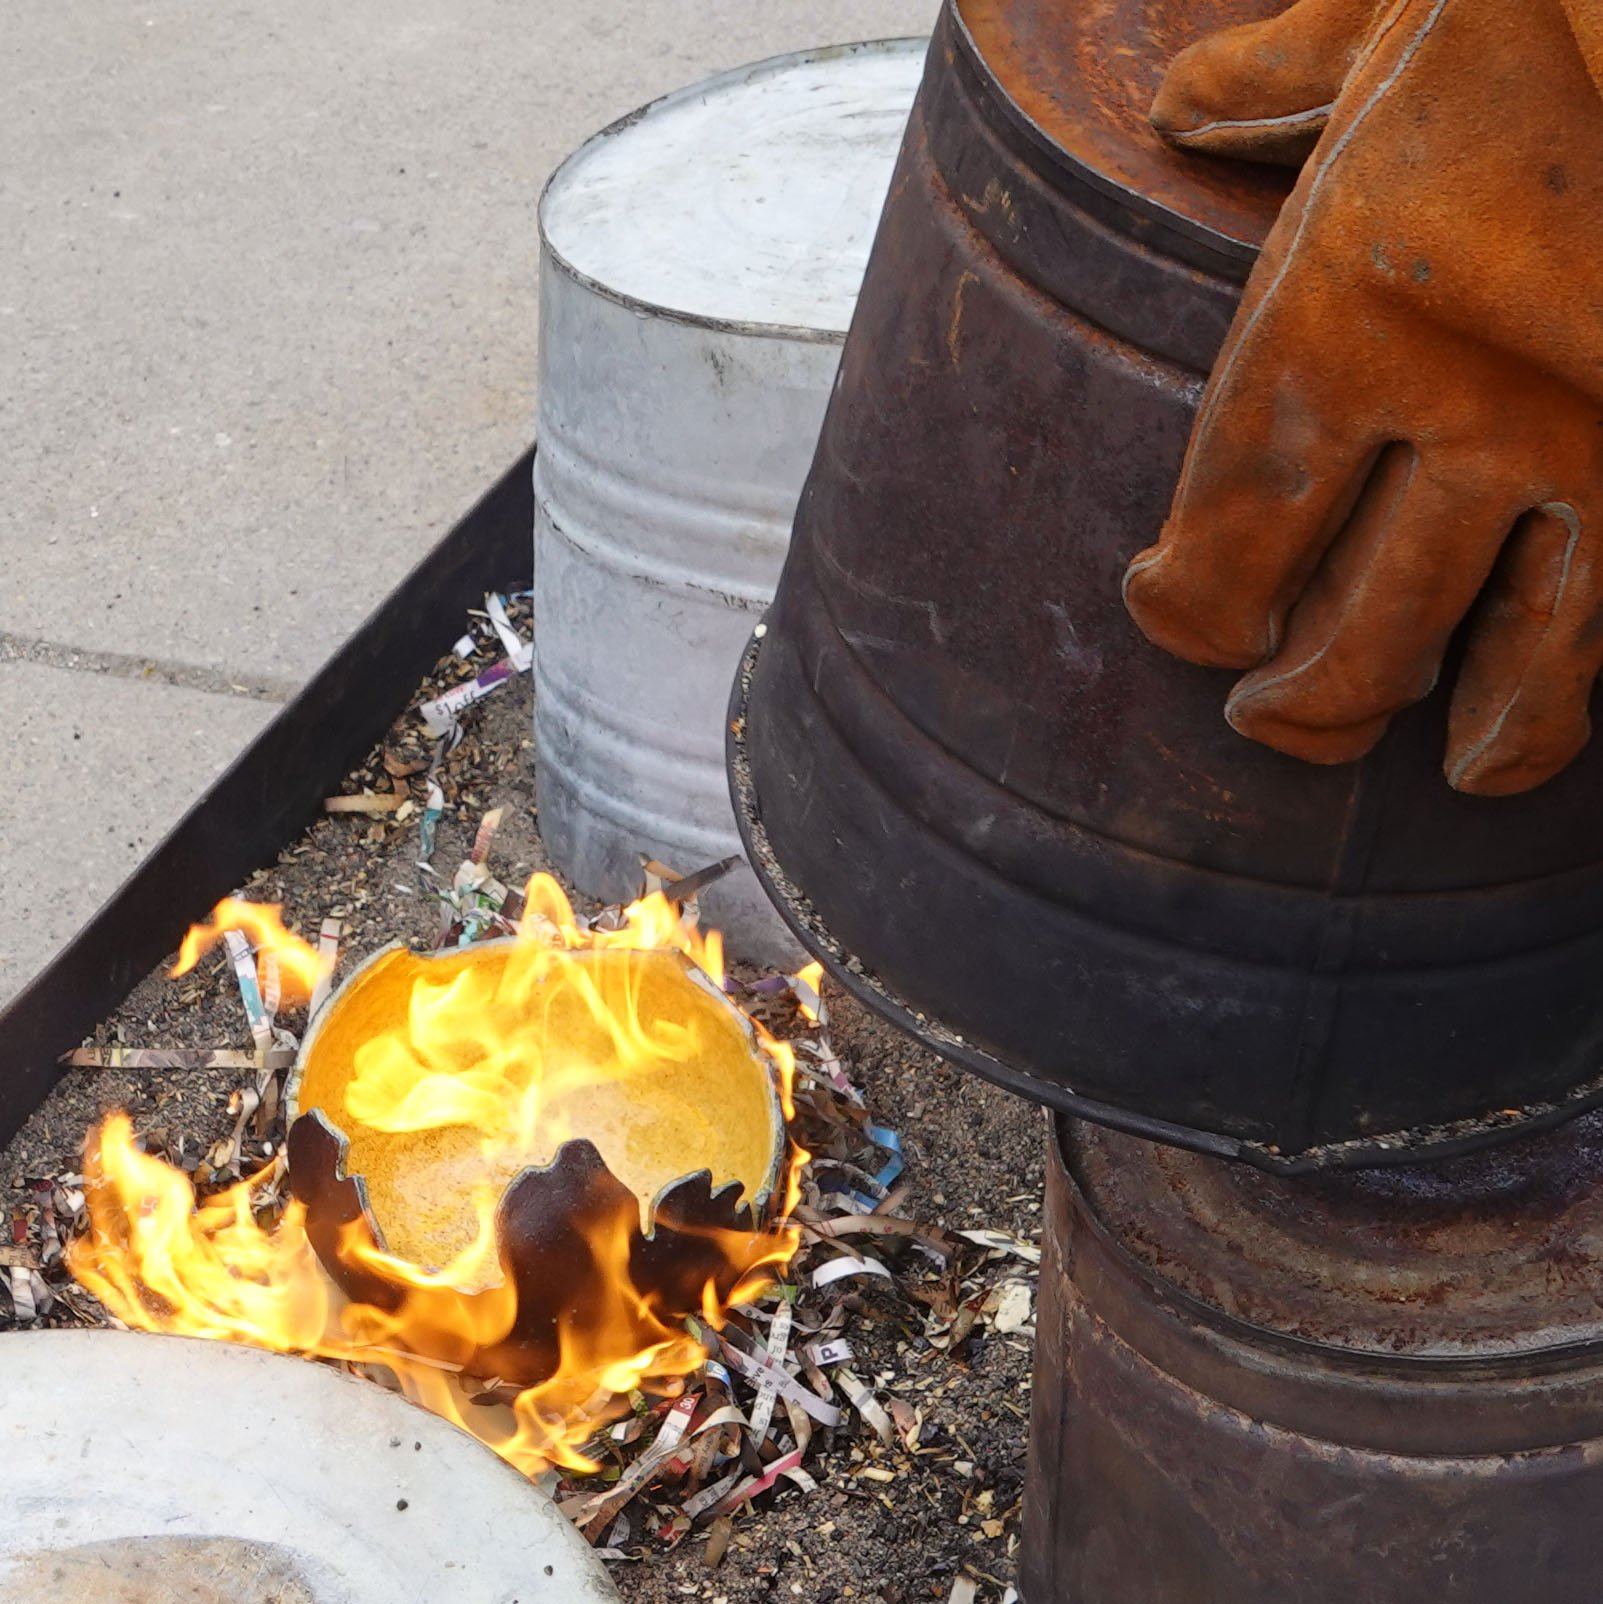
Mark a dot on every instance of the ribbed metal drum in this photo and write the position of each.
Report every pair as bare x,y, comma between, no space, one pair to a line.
1384,1386
700,262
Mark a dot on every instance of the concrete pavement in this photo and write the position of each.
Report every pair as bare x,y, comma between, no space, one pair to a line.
267,327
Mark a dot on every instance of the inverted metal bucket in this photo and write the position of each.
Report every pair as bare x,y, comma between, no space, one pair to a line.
1384,1386
999,814
699,264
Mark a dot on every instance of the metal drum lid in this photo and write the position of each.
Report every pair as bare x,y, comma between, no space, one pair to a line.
747,200
136,1467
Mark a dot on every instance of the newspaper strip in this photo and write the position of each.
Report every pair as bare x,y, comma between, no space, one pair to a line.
767,1393
520,653
272,984
24,1307
433,811
709,1497
758,1370
244,962
594,1510
838,1269
328,952
807,984
829,1069
784,1465
929,1239
836,1352
866,1404
887,1141
1001,1242
485,835
590,1506
801,1425
176,1058
440,715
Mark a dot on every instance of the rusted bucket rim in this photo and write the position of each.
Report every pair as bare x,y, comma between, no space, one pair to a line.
1158,1290
1416,1145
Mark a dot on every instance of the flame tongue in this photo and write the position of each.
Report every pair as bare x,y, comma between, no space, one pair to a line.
521,1118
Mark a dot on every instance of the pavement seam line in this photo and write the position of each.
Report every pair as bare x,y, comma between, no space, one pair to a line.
146,670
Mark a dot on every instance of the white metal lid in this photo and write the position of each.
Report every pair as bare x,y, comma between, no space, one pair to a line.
142,1467
751,199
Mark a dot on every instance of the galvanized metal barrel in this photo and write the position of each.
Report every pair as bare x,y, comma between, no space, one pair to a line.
1383,1386
699,265
997,812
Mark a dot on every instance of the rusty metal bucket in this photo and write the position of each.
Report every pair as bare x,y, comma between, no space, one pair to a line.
1004,819
1385,1385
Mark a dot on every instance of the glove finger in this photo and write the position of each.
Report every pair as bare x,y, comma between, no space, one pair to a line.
1263,91
1263,492
1520,708
1367,637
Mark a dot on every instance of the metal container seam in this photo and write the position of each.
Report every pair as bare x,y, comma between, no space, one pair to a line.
608,554
571,459
702,841
631,734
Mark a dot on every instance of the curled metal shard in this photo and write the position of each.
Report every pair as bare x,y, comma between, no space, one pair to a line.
551,1218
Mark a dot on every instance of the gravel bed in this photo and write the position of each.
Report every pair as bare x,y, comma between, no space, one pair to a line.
885,1525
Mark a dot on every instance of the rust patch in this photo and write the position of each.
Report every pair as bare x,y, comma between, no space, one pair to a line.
955,327
1500,1251
1084,73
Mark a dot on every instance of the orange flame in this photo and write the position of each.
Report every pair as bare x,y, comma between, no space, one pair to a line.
161,1261
300,965
812,978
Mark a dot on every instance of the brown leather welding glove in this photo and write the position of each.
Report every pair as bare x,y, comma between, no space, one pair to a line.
1405,427
1264,91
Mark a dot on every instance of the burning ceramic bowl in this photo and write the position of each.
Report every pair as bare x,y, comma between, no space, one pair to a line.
520,1154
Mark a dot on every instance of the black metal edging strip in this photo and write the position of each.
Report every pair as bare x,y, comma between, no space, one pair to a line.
267,795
